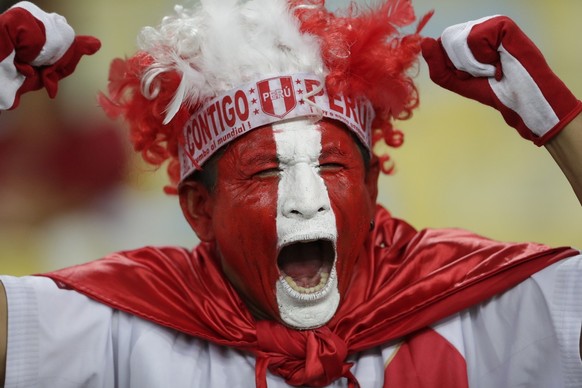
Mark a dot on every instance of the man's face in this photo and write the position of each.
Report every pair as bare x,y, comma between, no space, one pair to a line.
290,213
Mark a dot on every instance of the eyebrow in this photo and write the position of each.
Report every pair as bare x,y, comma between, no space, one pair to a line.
259,159
333,151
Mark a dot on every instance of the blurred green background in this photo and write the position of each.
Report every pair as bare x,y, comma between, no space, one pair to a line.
460,166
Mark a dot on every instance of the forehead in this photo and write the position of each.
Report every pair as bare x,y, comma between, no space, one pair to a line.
334,137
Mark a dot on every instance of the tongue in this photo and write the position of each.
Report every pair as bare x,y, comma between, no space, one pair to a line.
302,262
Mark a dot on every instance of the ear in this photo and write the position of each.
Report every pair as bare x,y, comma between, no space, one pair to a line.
197,204
372,178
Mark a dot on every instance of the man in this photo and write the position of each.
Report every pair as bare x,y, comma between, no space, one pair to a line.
265,111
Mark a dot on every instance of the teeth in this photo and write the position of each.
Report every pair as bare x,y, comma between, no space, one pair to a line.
310,290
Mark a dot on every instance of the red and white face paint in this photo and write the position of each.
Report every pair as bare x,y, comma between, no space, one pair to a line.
307,292
236,112
291,212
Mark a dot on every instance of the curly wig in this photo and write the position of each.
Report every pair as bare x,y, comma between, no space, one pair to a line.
219,44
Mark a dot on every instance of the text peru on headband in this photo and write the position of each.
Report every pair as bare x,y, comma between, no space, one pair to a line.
239,110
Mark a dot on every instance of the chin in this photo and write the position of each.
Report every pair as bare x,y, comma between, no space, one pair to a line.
308,309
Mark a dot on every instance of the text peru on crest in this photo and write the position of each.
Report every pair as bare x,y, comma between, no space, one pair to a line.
240,110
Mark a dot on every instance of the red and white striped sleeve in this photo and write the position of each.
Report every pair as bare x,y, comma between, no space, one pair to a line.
37,49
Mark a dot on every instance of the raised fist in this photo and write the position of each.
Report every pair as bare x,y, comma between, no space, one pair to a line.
37,49
492,61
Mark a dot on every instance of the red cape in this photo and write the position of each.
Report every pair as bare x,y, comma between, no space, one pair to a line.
405,280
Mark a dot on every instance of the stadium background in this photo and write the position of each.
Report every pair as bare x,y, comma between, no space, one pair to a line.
460,166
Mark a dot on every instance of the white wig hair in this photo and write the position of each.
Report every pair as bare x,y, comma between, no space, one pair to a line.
219,44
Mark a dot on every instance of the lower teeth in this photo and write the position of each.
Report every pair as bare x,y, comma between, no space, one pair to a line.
308,290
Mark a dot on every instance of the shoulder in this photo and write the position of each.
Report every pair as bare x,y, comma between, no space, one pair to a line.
39,304
530,331
553,292
59,337
38,289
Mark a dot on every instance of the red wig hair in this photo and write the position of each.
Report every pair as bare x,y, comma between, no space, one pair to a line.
363,51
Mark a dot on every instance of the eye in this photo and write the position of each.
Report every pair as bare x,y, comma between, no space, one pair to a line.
331,167
267,173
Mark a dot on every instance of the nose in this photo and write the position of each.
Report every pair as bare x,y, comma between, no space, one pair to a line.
303,193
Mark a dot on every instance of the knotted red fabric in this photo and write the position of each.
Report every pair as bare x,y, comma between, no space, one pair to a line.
305,357
404,281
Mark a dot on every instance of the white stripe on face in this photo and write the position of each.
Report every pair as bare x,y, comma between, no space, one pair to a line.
304,213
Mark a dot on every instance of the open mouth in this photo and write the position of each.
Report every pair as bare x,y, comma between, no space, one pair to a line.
306,265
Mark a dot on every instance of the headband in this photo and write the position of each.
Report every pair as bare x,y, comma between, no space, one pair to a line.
267,101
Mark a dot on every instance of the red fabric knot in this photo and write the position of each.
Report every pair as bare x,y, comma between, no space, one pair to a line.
314,358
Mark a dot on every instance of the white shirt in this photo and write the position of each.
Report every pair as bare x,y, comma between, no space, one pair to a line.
525,337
